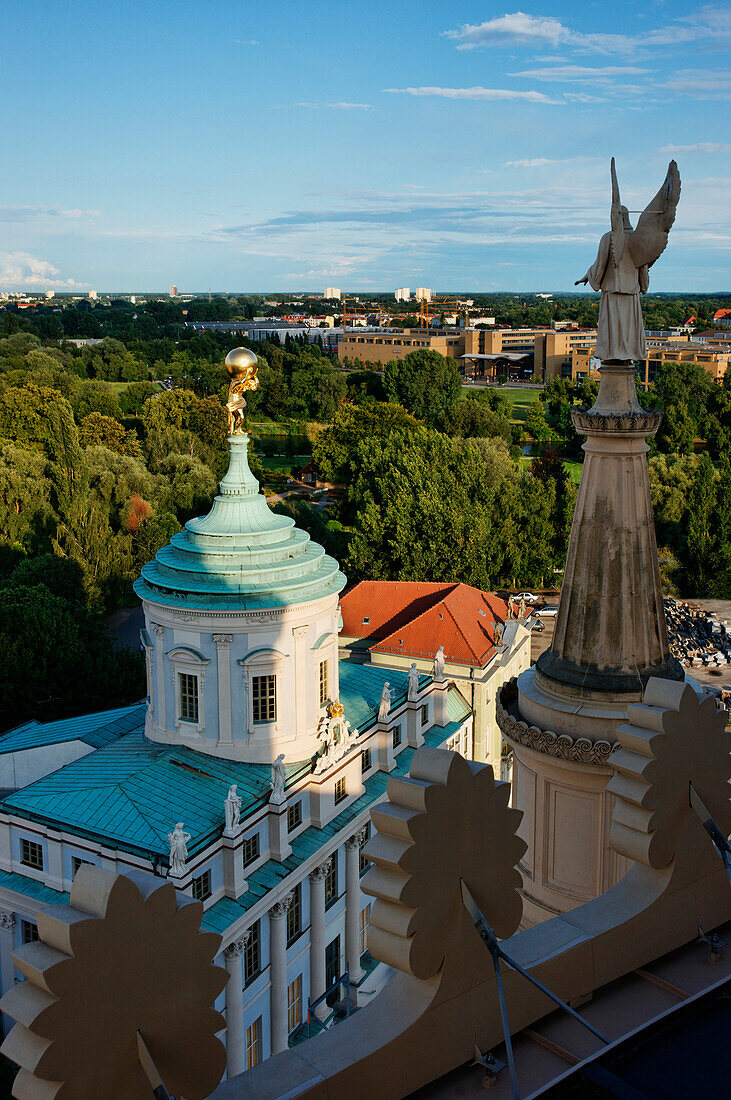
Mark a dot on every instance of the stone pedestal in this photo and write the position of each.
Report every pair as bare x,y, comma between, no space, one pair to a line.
610,638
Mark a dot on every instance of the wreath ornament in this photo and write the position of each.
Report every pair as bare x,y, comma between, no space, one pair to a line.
125,958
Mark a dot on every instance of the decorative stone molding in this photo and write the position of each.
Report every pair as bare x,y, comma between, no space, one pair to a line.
581,749
357,839
644,422
7,921
279,909
223,641
158,630
338,738
236,949
300,632
320,872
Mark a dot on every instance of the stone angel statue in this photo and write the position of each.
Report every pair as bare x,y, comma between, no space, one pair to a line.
621,269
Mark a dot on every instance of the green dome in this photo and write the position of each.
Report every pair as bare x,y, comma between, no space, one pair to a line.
241,555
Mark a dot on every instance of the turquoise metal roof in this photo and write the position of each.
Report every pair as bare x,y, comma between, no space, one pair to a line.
95,730
241,555
361,687
131,791
227,911
32,888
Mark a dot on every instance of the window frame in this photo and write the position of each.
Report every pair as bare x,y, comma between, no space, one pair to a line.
294,915
294,1004
78,862
363,863
366,761
324,681
201,886
424,711
294,815
256,839
263,662
28,861
396,736
252,954
365,920
186,661
340,792
331,881
253,1043
265,699
28,931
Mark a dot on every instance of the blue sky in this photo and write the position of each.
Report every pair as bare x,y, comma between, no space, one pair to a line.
282,145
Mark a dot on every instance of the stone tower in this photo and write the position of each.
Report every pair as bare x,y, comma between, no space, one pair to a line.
560,717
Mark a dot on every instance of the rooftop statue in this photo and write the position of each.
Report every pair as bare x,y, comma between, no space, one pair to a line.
241,366
621,269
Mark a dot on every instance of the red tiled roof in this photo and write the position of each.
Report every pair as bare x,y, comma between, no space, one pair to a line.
414,618
721,313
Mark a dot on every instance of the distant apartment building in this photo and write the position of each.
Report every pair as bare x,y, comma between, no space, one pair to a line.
715,358
332,292
403,294
422,294
93,295
173,291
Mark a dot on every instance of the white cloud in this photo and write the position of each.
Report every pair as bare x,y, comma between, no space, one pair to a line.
558,73
708,84
519,29
699,147
476,93
18,213
533,162
21,270
339,106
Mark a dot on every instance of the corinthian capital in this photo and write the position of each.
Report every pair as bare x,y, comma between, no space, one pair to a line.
279,909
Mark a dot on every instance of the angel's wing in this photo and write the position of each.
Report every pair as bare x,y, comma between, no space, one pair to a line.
650,238
618,232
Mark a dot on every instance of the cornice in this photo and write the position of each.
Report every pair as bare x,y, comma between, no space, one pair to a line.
560,745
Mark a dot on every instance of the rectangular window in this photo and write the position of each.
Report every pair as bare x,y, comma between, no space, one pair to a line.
425,714
294,915
396,736
332,970
188,697
253,1044
365,920
252,954
31,854
264,698
363,863
77,861
201,886
29,931
324,682
365,760
341,789
294,1004
250,849
294,816
331,881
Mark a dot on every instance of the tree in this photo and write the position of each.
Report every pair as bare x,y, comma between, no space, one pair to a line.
472,417
334,448
96,397
700,554
426,383
27,515
102,431
41,419
537,425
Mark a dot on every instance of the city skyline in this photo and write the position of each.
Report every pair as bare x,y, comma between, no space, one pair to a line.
271,146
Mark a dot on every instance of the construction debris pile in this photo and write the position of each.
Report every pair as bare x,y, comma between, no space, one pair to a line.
697,638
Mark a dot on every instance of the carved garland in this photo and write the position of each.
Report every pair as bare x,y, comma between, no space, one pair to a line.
561,745
643,422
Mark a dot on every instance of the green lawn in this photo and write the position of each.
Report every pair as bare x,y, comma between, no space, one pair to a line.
522,400
573,469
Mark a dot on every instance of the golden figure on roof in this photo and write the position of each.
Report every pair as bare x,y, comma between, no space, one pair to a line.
336,710
241,366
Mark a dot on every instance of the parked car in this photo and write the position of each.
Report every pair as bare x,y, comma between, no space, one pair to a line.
527,596
547,612
536,625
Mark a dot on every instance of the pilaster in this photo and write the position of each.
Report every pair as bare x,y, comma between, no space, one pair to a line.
223,652
235,1046
278,974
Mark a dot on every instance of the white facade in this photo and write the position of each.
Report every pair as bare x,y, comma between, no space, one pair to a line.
422,294
403,294
332,292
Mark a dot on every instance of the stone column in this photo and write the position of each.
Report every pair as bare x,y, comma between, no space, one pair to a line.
7,929
352,906
317,936
223,650
278,974
235,1047
159,706
302,695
